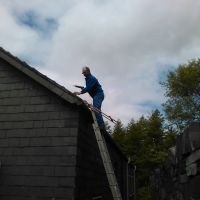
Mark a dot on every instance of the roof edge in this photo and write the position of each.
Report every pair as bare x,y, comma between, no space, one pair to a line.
40,78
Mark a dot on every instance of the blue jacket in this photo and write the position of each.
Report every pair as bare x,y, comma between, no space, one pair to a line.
92,86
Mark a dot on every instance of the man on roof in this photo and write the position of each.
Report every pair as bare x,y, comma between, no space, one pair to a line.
95,91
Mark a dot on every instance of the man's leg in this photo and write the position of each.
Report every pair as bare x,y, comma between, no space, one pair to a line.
97,102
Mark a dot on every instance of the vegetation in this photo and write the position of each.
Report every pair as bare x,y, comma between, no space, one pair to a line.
146,141
183,95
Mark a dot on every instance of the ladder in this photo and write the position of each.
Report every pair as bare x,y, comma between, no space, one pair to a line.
106,160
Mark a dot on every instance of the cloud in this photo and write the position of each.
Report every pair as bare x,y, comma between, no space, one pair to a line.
46,26
129,45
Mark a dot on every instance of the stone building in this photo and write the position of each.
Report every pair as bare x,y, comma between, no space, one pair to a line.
179,177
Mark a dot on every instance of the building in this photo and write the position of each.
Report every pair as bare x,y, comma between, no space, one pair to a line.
48,149
179,177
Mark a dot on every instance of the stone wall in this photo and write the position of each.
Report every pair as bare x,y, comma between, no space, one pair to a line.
179,177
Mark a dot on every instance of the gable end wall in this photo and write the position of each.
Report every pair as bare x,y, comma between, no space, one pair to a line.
38,140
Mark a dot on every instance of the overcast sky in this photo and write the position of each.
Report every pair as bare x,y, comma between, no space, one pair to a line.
129,45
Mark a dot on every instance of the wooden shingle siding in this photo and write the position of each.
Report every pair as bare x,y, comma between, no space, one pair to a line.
38,140
120,165
91,179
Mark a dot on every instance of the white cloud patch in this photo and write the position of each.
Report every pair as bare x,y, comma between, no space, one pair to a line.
128,45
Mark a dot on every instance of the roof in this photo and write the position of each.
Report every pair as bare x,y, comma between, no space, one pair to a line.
40,78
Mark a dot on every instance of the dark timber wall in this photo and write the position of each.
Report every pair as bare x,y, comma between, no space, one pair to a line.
120,164
38,140
91,177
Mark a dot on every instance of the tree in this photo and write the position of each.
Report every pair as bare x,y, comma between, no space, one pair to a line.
183,95
145,143
119,134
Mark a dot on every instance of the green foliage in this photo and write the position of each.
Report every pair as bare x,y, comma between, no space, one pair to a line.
118,134
145,143
143,193
183,94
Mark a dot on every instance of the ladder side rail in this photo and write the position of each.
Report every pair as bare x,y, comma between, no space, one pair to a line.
106,161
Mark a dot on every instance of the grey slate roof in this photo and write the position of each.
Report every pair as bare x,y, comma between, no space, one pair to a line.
40,78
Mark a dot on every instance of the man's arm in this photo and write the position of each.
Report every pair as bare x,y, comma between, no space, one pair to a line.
89,84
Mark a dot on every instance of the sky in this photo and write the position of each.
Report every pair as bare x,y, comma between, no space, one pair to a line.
129,45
